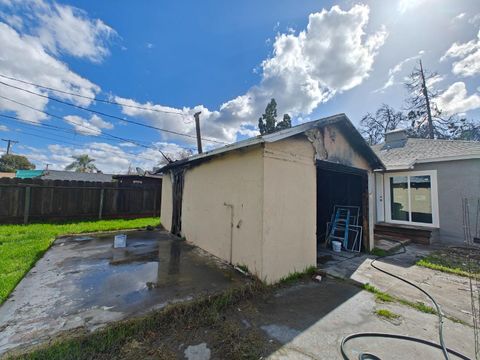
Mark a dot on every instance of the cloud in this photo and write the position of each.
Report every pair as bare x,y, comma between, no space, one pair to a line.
108,158
396,69
3,128
469,55
332,55
459,17
406,5
456,100
63,29
92,127
27,55
474,19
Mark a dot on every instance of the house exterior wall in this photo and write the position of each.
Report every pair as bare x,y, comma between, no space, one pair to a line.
271,189
166,205
215,188
289,211
456,180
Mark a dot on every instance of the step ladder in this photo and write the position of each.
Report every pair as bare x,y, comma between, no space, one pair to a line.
340,224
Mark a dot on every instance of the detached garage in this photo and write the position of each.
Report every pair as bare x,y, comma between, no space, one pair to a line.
264,202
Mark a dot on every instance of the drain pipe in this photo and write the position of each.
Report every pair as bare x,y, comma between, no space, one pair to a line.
231,229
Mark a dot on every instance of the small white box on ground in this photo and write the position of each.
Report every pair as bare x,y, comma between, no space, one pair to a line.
120,241
337,246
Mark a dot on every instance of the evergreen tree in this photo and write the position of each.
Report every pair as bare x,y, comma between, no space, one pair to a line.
267,123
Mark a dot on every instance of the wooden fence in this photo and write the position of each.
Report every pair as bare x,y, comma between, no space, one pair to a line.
25,200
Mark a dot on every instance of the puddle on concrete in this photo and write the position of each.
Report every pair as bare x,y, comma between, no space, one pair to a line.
89,283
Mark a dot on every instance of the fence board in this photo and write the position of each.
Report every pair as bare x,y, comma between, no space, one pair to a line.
53,200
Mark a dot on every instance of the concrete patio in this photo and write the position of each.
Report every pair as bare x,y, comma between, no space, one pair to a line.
452,292
83,283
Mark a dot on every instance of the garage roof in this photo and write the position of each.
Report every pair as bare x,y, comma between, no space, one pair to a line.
341,120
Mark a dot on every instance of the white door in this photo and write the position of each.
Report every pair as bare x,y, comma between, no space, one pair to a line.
379,195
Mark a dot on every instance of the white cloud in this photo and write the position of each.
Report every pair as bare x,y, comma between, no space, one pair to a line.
474,19
469,55
459,17
406,5
108,158
333,54
396,69
456,99
3,128
93,126
30,46
63,28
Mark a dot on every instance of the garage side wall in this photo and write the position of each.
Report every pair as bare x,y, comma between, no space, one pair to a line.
166,217
289,233
222,202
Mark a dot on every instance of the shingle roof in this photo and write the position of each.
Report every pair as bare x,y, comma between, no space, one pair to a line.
340,119
75,176
404,154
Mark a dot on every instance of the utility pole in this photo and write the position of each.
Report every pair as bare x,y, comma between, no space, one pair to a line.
197,126
46,166
10,143
427,103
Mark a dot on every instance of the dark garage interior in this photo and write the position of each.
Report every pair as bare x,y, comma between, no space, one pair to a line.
342,186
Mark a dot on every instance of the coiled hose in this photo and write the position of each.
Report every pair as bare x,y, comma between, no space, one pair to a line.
364,356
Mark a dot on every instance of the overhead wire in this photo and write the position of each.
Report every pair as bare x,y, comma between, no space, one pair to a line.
86,127
173,132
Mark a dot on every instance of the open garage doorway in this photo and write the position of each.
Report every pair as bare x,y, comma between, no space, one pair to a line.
337,186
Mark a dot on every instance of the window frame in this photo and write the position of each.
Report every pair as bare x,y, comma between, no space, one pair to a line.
434,195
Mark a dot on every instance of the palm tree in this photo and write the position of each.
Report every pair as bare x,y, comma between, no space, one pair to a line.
82,163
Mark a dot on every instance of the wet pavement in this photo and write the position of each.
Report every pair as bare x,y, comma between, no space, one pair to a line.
83,282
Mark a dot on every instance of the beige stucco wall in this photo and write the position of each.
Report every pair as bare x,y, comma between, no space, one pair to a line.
273,192
289,212
340,151
166,217
235,178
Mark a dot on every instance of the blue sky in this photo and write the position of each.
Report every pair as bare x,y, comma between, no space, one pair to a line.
226,59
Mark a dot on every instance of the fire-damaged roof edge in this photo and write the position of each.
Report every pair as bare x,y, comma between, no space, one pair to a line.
340,120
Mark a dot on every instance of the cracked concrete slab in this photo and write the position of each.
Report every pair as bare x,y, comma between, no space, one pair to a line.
452,292
83,282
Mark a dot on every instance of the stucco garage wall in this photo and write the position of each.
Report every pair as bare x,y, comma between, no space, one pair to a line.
235,178
166,217
456,180
289,232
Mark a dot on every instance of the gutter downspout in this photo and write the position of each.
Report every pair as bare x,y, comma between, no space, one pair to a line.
231,229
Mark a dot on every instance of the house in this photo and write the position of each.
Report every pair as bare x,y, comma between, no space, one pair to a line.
139,180
261,202
63,175
420,192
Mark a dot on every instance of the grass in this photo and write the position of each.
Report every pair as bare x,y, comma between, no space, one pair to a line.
378,252
295,276
22,245
379,295
387,314
457,260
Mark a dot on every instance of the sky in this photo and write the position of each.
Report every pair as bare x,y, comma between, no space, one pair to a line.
63,64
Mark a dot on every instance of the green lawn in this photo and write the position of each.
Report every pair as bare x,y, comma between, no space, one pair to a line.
22,245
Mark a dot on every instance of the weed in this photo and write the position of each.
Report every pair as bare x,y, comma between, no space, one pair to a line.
378,252
379,295
295,276
458,261
387,314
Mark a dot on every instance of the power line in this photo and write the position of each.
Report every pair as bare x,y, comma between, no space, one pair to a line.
105,101
86,127
10,143
118,138
109,115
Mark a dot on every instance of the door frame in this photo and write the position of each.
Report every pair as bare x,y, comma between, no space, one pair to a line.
434,195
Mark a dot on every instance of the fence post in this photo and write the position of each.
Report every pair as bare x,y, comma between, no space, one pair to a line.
27,205
154,202
100,207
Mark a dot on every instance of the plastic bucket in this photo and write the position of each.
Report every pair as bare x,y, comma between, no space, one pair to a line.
120,241
337,246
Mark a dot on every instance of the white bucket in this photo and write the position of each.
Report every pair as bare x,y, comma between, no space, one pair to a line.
120,241
337,246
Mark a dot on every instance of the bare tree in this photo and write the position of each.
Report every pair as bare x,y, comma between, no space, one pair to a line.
374,126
